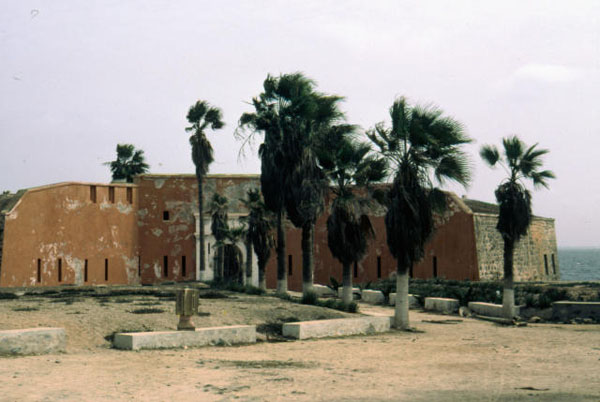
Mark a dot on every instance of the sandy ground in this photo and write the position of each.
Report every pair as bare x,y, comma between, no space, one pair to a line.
457,360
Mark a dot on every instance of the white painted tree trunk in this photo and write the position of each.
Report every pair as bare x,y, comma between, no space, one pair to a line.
401,311
508,303
282,286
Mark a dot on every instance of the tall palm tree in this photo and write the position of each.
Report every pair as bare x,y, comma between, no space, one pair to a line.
311,116
220,229
292,115
421,145
269,118
259,231
351,169
514,201
129,162
202,116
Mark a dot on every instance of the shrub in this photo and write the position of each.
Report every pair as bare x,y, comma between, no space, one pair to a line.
309,298
147,311
253,290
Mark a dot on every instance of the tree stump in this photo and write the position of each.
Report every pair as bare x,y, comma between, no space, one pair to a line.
186,306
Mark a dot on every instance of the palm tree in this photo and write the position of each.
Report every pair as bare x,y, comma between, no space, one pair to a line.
202,116
129,162
259,232
269,118
311,116
220,229
514,201
351,169
421,145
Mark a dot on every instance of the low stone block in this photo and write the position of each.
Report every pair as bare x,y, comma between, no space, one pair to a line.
323,291
569,310
216,336
336,327
32,341
413,301
372,296
441,305
490,309
355,291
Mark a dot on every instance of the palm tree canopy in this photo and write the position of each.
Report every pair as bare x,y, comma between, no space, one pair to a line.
520,162
425,139
201,116
260,225
422,144
351,168
129,162
220,224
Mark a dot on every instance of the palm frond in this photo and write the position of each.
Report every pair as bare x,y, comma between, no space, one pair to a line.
489,154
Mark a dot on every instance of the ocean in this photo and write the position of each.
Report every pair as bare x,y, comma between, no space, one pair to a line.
579,264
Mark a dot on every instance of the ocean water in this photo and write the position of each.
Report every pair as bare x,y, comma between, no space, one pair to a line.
579,264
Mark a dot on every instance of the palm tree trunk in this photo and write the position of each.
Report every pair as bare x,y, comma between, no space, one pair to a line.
308,264
508,296
220,264
248,261
347,282
262,280
281,271
401,311
201,218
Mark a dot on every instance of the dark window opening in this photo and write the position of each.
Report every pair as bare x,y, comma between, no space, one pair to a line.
183,267
355,269
290,265
435,272
165,215
106,269
166,266
60,269
410,272
546,263
111,195
39,270
85,271
139,265
130,195
553,265
93,193
379,267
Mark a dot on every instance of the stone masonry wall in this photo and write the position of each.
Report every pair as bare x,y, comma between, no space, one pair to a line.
535,258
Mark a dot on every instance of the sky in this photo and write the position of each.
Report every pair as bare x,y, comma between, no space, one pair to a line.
77,78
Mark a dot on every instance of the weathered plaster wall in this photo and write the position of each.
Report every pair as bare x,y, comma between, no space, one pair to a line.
62,222
452,245
174,238
529,264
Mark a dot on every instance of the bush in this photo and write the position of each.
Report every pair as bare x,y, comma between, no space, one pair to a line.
147,311
253,290
309,298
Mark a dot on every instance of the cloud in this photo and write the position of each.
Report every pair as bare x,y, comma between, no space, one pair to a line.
546,73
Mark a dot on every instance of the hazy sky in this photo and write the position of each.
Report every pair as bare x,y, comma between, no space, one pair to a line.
78,77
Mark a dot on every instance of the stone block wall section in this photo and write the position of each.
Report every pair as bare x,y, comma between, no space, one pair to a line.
536,255
32,341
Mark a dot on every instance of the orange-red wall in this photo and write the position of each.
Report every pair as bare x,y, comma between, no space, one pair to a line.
61,222
453,245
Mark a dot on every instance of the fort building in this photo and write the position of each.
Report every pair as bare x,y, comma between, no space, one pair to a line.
148,232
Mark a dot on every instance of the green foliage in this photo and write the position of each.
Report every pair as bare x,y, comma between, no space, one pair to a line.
148,310
309,298
334,284
201,116
514,199
129,162
419,144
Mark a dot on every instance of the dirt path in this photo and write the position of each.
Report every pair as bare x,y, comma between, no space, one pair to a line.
466,360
